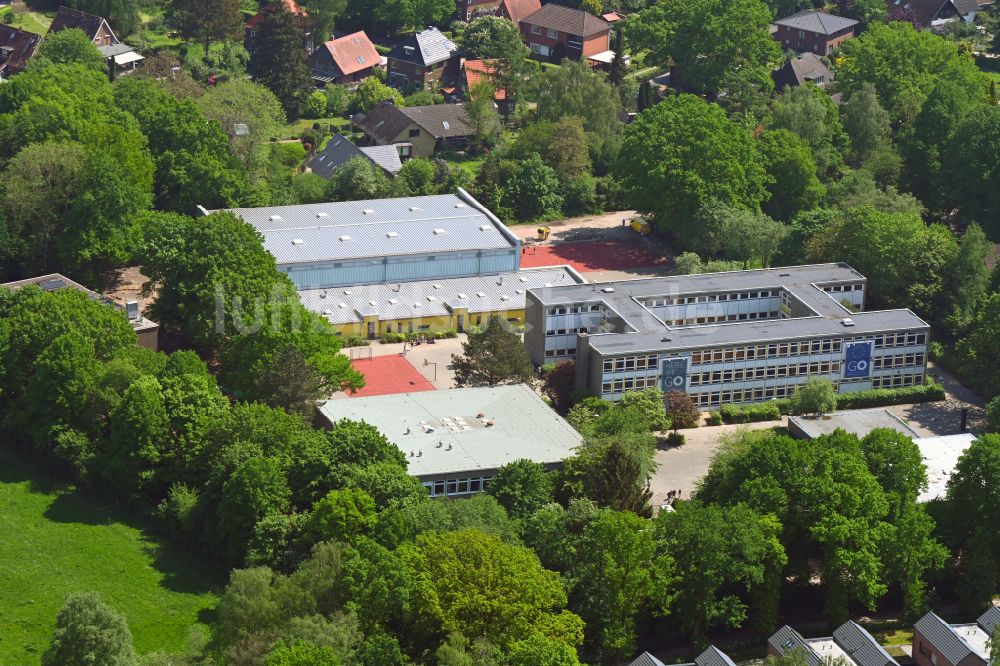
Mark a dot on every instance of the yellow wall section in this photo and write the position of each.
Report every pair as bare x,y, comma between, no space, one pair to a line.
439,323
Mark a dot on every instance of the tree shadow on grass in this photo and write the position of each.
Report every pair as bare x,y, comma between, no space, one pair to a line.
184,570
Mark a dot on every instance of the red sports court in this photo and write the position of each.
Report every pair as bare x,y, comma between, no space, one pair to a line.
389,374
587,256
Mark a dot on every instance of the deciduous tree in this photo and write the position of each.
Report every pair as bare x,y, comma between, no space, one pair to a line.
88,631
494,356
522,487
791,168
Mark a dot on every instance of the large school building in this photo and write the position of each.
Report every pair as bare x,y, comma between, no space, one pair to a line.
404,265
734,337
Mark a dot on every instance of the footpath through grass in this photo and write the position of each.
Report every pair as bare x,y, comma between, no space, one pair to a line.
55,540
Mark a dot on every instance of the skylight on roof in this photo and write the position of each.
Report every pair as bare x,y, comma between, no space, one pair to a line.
345,238
439,232
361,59
391,234
446,125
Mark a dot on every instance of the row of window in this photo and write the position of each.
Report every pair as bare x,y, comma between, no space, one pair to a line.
713,298
537,30
899,340
552,353
896,381
629,384
748,374
843,287
457,486
573,309
742,316
630,363
773,350
898,361
566,331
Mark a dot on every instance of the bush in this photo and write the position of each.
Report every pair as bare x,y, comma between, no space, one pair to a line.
765,411
390,338
675,439
338,100
993,415
714,419
884,397
316,105
579,196
355,341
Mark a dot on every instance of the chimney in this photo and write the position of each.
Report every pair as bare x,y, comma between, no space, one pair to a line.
132,310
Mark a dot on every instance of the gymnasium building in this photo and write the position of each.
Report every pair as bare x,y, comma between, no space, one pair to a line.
736,337
402,265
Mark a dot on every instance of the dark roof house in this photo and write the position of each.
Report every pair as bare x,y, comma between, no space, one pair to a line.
567,19
935,13
712,656
339,150
850,642
938,643
16,48
812,30
429,47
803,68
441,121
95,27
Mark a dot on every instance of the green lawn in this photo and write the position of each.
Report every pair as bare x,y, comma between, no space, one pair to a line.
469,165
35,22
55,540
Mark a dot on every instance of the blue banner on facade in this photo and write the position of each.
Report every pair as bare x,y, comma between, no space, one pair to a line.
858,359
674,374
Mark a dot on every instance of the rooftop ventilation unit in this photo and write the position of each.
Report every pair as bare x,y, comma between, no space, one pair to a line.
347,292
460,205
391,234
439,231
436,286
523,279
323,294
480,294
342,306
372,303
297,241
520,291
504,297
462,296
322,215
132,310
415,209
368,211
485,227
345,238
847,321
431,298
275,218
608,290
328,312
393,301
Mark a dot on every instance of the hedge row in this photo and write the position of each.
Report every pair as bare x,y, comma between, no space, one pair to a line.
413,337
774,409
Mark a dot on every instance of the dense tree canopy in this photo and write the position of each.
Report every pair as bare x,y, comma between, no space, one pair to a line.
712,44
683,152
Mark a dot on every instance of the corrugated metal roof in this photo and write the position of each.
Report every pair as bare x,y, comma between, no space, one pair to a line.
376,228
944,639
861,646
713,656
786,639
646,659
444,427
430,298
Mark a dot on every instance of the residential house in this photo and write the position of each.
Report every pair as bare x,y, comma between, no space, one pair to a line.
423,61
97,28
713,656
469,9
814,31
850,642
933,14
417,131
252,26
16,48
938,643
146,331
802,68
345,60
555,32
339,150
476,71
518,10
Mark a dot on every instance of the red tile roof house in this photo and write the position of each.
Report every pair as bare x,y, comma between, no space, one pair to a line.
423,61
555,32
477,70
253,25
345,60
16,48
518,10
813,31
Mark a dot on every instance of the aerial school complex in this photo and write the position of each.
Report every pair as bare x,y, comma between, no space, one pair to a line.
735,337
406,265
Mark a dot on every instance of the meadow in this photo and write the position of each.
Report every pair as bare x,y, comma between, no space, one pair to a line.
56,539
